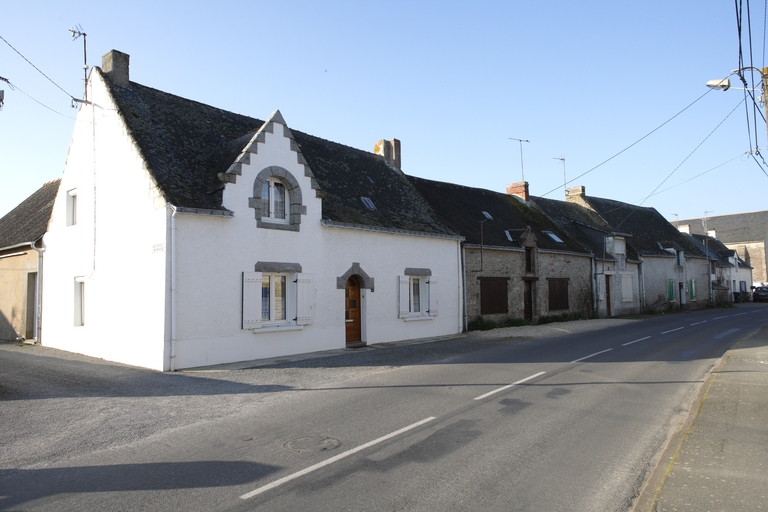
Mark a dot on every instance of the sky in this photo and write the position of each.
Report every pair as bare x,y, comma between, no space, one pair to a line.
455,82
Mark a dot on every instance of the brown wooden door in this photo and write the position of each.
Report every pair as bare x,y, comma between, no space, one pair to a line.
528,300
352,310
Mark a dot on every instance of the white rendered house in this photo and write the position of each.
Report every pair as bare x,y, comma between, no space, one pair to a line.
185,236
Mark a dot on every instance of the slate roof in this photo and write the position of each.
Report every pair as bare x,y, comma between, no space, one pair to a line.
735,228
714,248
28,222
461,208
650,230
186,145
582,224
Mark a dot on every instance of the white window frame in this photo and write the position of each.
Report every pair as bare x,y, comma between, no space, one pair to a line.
72,207
299,300
268,214
427,297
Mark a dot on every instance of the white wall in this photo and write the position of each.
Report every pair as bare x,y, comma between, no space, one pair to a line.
118,248
212,252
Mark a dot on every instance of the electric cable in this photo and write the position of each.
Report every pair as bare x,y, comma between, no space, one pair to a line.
631,145
38,70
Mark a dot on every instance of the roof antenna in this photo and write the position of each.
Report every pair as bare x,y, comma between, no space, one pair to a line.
76,32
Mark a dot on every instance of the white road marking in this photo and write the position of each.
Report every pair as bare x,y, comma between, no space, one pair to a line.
673,330
340,456
719,317
739,314
509,386
631,342
697,323
592,355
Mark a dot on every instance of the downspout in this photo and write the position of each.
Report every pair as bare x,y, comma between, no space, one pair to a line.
464,287
642,285
593,282
172,348
39,284
461,285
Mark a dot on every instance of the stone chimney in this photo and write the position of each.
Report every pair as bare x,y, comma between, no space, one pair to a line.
519,189
115,65
576,195
390,150
684,228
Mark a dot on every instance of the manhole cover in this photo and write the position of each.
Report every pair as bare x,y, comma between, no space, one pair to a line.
313,444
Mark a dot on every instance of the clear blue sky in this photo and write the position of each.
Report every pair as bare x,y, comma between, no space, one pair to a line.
452,80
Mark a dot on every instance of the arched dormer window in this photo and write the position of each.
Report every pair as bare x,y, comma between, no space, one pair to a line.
277,200
273,201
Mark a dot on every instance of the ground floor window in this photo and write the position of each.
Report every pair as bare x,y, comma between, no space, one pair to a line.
275,299
493,295
558,294
418,294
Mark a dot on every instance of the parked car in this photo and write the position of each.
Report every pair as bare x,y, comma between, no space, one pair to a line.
760,294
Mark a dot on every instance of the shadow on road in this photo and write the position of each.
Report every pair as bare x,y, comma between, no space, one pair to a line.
23,486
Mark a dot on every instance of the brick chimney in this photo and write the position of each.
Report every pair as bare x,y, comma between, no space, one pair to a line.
390,150
519,189
576,195
115,65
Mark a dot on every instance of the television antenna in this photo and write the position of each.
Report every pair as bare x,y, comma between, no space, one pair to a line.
76,32
522,170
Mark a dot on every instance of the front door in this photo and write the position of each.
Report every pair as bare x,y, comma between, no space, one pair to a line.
608,294
352,310
528,301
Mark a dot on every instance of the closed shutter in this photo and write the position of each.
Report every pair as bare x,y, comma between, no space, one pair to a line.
305,299
493,295
671,290
251,300
404,303
432,291
692,289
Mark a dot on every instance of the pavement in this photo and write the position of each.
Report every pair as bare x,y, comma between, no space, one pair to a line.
718,459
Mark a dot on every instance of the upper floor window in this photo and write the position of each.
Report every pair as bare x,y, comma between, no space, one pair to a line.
72,207
273,200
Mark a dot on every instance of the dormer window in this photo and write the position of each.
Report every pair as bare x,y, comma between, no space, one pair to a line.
273,201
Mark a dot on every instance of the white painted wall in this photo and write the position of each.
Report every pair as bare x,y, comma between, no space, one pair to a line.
117,246
212,252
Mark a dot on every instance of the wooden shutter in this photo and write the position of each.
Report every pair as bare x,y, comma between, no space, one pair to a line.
493,295
251,300
432,292
404,302
692,289
305,299
671,290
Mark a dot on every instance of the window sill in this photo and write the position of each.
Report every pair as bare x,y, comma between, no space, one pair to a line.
277,328
416,318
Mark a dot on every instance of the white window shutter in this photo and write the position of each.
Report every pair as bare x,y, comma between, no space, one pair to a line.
432,296
251,300
305,299
404,296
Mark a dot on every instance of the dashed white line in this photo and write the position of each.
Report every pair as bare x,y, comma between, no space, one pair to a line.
319,465
509,386
739,314
631,342
697,323
719,317
673,330
592,355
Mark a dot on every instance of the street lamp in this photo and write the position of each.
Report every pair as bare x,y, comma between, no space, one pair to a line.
725,84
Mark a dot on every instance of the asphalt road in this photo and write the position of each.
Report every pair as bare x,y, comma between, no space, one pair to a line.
574,422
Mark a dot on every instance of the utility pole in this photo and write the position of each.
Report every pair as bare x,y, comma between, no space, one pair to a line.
522,171
706,249
76,32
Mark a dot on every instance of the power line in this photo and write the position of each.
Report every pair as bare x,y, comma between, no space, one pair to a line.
38,69
633,144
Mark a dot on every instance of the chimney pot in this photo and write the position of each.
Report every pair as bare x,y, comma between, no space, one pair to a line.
115,65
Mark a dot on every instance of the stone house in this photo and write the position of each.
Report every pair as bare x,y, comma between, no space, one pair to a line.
516,261
184,236
673,271
729,274
745,233
21,264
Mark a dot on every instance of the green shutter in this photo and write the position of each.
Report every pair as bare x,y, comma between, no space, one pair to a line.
671,290
692,290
